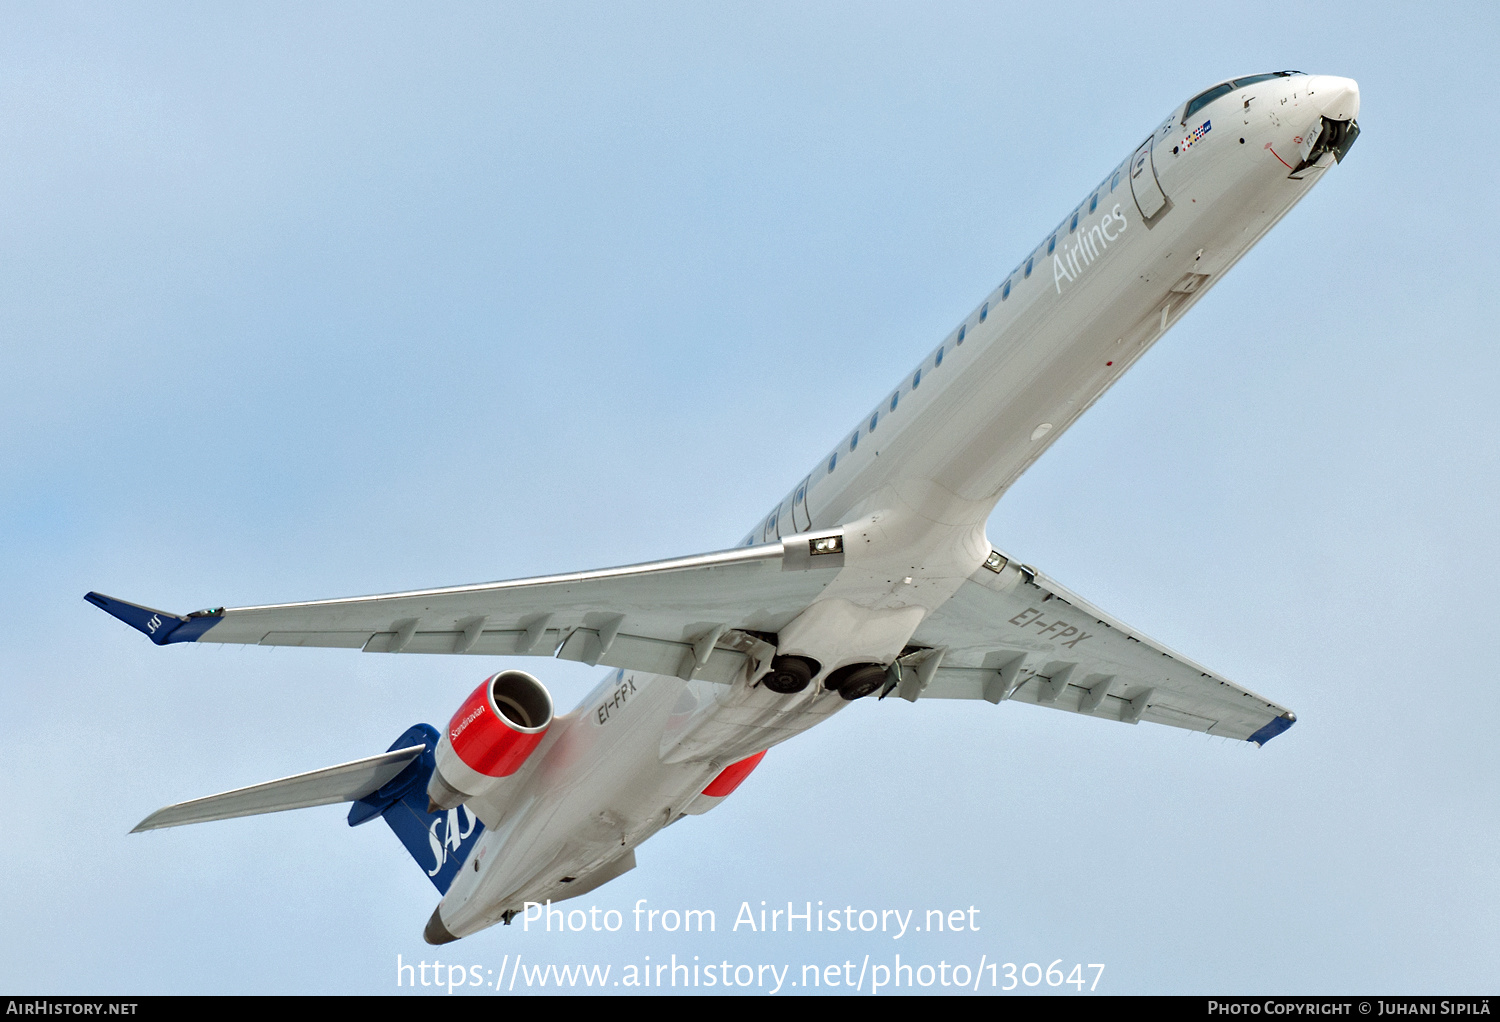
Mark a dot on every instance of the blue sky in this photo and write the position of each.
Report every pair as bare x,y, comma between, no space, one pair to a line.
314,300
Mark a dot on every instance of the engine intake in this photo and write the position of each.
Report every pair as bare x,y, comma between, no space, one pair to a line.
493,733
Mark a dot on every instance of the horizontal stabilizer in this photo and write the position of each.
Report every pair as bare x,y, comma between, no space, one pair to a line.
347,782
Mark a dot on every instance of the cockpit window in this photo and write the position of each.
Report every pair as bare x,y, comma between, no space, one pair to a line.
1202,100
1240,83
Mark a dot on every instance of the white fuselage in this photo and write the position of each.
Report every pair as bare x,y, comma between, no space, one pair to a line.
913,484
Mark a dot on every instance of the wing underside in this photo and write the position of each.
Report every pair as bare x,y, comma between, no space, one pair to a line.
692,617
1009,633
1014,634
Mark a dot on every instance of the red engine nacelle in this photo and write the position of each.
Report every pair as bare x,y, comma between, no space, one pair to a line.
490,736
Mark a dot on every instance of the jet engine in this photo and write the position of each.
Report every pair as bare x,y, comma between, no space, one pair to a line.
490,737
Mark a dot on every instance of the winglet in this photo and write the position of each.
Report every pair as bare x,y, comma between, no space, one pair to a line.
157,625
1273,729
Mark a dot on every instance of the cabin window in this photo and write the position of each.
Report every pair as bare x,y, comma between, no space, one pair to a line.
854,440
984,310
874,418
894,398
1028,267
916,379
1073,224
801,493
1051,244
832,461
1005,291
1094,202
938,360
961,331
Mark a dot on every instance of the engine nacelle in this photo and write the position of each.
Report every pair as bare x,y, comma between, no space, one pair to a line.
490,737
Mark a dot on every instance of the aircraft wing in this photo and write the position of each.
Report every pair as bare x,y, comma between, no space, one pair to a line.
689,617
1008,633
1012,633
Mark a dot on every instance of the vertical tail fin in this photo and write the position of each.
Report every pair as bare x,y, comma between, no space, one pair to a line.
441,841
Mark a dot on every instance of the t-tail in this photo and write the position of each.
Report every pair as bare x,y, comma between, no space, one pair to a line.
440,841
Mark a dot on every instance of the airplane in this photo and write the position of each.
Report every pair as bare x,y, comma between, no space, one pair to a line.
873,576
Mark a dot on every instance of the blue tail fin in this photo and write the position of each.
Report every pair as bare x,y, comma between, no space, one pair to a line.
440,842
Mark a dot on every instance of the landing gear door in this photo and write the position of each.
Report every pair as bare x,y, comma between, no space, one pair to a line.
801,520
1143,183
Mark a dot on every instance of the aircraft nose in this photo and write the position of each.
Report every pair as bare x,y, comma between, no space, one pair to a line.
1336,98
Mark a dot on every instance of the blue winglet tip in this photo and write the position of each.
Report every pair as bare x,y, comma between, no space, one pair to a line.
157,625
1272,729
